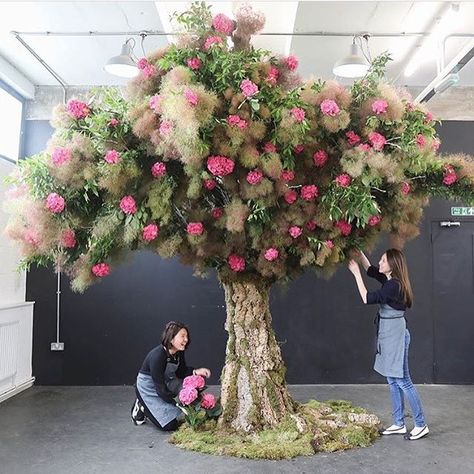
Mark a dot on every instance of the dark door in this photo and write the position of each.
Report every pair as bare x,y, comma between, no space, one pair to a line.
453,301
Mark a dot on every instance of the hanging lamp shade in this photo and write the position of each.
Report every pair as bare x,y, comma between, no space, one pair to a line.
353,65
122,65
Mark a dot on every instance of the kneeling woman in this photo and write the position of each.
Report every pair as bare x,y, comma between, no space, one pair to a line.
161,377
393,338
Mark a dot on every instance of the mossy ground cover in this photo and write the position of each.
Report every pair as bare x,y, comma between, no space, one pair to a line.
329,426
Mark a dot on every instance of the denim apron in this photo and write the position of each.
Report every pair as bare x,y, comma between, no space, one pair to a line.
163,411
391,330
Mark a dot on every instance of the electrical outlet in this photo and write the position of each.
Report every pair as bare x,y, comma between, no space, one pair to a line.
57,346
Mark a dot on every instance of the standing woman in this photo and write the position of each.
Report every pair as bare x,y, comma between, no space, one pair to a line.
161,378
393,337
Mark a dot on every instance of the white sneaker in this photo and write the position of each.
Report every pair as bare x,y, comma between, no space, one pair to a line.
417,432
394,429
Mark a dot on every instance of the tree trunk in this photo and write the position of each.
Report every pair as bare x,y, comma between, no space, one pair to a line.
254,393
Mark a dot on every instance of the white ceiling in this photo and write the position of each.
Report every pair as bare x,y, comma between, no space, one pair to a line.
79,60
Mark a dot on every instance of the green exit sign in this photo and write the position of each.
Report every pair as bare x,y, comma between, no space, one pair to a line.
462,211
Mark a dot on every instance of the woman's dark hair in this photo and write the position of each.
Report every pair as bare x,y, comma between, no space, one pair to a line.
397,263
171,329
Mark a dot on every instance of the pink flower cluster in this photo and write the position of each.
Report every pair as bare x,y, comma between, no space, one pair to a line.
78,109
236,263
374,220
158,169
212,40
420,141
61,156
150,232
329,244
217,212
194,63
248,88
344,226
195,228
112,156
166,127
295,231
449,175
352,138
329,107
379,106
208,401
271,254
273,75
188,395
343,180
291,196
147,69
220,165
311,225
269,147
254,177
298,149
320,158
309,192
191,97
155,103
291,62
55,203
128,205
236,121
31,237
209,184
194,381
223,24
113,123
378,140
101,270
68,239
406,188
298,114
287,175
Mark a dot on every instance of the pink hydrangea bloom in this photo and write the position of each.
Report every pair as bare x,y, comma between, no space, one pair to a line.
343,180
188,395
450,176
378,140
374,220
287,175
406,188
269,147
220,165
223,24
128,205
236,262
420,141
329,244
101,270
298,114
236,121
68,239
155,103
248,88
410,106
352,138
364,147
194,63
194,381
254,177
435,144
309,192
112,156
428,117
295,231
320,158
209,184
150,232
344,226
273,75
311,225
212,40
379,106
217,212
291,62
113,123
299,149
78,109
142,63
166,127
291,196
271,254
191,96
147,69
329,107
55,203
195,228
61,156
32,237
158,169
208,401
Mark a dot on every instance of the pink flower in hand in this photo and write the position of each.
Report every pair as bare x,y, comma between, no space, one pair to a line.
194,381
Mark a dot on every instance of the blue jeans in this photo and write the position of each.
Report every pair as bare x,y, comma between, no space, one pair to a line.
400,386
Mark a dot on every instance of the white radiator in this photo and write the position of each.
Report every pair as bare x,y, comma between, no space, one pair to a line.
8,349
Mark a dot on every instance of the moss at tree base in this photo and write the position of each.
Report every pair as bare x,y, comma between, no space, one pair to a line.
333,425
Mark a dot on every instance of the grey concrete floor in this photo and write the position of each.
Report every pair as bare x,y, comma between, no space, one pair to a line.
85,430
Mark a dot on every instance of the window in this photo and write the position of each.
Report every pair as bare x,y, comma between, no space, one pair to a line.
11,119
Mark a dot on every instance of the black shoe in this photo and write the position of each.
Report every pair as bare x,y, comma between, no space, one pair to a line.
137,413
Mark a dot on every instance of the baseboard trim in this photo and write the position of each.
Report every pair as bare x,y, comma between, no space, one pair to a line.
17,389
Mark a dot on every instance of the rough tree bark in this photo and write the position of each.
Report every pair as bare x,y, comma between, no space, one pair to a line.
254,393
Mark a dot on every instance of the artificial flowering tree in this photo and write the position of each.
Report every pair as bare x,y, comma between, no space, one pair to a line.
221,154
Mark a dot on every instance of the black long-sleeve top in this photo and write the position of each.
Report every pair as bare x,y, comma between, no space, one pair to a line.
390,293
155,365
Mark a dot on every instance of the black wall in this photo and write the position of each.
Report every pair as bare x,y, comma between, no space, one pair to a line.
325,331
